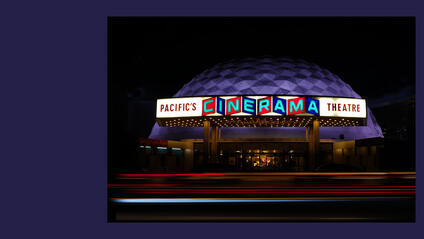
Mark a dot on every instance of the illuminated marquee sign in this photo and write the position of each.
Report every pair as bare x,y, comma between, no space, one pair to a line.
261,106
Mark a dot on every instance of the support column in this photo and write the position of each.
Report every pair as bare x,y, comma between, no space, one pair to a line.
314,142
206,134
214,146
311,147
307,133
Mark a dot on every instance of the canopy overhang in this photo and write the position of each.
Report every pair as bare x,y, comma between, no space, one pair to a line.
261,111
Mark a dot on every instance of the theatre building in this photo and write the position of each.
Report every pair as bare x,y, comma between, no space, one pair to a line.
263,114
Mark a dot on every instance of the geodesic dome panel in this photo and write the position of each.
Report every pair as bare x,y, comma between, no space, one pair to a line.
277,76
266,76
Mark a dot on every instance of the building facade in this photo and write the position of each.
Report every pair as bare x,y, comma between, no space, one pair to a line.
263,114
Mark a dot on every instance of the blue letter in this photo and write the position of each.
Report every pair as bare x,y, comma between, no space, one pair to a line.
221,105
249,105
279,105
313,106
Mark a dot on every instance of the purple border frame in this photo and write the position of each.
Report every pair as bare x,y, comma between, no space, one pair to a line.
54,133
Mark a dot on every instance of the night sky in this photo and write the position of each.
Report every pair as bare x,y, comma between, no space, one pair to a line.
152,58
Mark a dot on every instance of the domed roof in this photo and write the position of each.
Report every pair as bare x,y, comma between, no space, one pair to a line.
265,76
256,76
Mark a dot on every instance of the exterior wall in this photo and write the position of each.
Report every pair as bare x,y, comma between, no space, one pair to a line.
165,159
187,146
155,163
344,152
326,155
188,159
366,157
369,157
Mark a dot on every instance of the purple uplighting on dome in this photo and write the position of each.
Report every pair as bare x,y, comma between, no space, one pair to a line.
269,76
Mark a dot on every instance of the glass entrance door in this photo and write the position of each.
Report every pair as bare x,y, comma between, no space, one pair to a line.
294,161
262,161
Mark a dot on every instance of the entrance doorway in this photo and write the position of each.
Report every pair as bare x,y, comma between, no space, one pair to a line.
270,161
294,161
262,161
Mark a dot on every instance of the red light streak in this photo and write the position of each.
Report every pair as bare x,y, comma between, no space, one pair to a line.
171,175
268,175
248,187
273,190
250,192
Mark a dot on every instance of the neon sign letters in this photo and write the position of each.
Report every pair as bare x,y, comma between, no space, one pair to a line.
261,106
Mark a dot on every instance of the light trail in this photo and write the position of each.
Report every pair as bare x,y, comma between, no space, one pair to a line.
239,200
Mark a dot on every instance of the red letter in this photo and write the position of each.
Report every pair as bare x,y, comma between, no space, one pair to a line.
328,106
161,107
353,108
344,107
264,105
208,106
296,106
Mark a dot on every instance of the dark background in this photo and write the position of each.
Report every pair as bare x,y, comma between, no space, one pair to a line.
152,58
54,58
